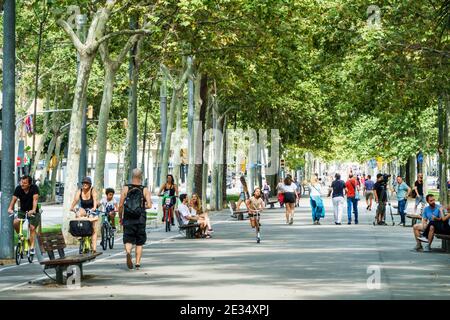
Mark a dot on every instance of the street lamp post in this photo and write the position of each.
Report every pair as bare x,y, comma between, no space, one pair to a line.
8,111
163,115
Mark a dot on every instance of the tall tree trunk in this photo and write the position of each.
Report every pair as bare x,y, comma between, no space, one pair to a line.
412,170
443,122
221,177
191,142
206,148
157,164
198,180
102,130
73,160
194,132
131,147
177,93
178,141
119,174
225,165
169,130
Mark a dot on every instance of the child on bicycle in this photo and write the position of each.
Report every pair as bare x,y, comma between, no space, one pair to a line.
255,204
110,206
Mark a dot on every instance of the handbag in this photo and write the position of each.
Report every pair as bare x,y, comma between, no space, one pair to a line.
357,197
81,228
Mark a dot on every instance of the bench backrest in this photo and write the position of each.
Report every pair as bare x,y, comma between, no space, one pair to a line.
178,215
50,241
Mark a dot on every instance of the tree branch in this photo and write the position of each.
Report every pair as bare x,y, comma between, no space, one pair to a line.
418,47
166,72
123,32
73,37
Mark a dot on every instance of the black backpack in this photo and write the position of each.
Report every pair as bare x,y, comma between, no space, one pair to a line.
134,202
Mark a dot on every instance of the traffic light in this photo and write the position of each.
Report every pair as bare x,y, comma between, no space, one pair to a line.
18,161
90,112
282,163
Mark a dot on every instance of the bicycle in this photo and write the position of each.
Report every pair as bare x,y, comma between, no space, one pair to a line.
85,241
107,231
167,210
23,244
257,214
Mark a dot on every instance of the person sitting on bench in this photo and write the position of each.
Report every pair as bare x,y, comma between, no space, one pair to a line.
437,225
432,210
186,216
197,210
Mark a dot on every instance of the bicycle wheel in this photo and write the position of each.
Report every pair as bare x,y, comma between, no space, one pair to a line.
104,237
18,253
111,239
167,224
30,258
165,218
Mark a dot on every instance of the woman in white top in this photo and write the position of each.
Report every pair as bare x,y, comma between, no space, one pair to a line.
316,202
290,197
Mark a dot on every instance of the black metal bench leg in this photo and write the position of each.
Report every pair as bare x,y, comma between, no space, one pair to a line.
81,270
445,245
60,275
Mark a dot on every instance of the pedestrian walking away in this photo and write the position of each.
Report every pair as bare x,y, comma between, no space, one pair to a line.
134,199
368,191
380,194
351,191
289,197
316,202
402,190
280,193
418,193
337,194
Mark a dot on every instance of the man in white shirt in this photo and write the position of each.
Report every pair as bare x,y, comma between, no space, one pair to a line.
186,215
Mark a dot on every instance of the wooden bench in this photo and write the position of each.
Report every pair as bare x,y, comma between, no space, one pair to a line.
445,241
414,218
272,202
54,241
235,213
188,230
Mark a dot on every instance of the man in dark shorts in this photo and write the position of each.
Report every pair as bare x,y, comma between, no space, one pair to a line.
28,195
380,194
134,227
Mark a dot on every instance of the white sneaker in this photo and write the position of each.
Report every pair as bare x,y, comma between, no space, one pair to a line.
427,248
423,239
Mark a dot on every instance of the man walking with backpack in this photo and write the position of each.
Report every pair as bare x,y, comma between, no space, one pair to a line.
134,199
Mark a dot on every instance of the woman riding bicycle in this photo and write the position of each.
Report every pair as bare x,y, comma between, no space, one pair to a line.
87,199
170,189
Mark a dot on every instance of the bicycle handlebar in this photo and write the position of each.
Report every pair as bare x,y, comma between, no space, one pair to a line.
16,214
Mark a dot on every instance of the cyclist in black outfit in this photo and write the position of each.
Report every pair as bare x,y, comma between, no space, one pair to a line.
86,197
170,189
